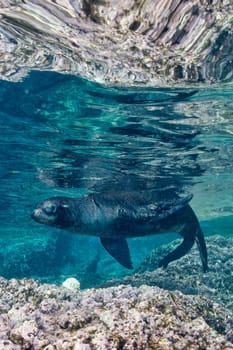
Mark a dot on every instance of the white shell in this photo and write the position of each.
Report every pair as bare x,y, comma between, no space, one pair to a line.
71,283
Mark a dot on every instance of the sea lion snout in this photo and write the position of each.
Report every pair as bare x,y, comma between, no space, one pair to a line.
40,216
51,212
36,214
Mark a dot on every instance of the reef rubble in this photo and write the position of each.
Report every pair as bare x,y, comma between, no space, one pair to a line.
186,275
42,316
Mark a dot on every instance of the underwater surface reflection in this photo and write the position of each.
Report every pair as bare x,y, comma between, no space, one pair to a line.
64,136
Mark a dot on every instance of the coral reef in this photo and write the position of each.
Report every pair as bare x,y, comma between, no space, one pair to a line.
125,42
37,316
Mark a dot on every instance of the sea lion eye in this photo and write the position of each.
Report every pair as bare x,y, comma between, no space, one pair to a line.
50,209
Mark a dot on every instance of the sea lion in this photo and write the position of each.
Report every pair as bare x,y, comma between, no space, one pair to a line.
116,216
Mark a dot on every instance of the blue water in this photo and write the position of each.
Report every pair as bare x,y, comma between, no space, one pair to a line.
61,135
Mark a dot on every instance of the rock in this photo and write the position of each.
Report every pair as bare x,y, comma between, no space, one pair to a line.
81,346
8,345
122,317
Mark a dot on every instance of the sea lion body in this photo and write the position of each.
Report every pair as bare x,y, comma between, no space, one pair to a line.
116,216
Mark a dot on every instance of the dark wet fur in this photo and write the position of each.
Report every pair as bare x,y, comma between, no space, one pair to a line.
115,216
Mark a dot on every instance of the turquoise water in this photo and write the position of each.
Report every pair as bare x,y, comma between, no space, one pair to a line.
64,136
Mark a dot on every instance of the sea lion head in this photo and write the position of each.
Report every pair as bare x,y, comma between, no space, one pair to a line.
53,212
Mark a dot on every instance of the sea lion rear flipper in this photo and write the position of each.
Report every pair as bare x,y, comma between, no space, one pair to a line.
194,230
200,240
191,232
119,250
180,251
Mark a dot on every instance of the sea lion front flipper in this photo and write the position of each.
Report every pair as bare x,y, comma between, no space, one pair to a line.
119,250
